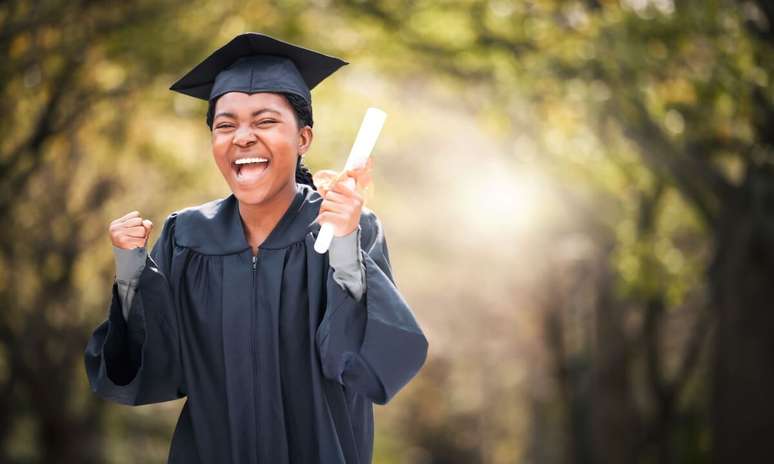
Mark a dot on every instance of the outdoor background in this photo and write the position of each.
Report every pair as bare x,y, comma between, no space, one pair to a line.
578,198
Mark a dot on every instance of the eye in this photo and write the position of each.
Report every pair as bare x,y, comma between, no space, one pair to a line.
264,122
224,126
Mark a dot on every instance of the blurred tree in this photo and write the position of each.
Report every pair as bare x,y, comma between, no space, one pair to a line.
687,85
628,373
69,74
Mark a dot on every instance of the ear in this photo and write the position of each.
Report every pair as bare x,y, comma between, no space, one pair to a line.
305,136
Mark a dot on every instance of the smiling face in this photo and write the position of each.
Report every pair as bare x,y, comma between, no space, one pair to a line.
260,132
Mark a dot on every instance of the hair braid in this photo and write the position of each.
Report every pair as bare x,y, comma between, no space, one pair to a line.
303,112
303,175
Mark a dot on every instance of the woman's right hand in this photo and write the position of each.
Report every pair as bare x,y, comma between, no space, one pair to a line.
130,231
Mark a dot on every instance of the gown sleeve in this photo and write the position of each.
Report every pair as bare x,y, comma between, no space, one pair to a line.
136,360
373,346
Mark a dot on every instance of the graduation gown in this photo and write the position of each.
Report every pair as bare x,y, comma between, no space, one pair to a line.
279,364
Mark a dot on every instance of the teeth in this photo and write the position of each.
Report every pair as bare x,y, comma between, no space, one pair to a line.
251,160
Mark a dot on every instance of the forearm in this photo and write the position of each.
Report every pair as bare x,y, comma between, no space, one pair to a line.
347,264
129,266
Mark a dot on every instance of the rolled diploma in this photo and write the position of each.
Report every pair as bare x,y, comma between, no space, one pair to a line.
372,124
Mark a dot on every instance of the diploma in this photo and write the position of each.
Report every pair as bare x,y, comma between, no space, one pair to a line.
372,124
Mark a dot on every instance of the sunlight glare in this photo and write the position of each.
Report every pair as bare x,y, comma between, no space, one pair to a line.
504,202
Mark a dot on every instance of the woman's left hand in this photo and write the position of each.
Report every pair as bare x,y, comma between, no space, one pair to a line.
342,205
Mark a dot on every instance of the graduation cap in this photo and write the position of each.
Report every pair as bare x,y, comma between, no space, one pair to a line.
254,62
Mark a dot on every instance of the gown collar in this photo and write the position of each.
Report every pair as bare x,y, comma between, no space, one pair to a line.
215,227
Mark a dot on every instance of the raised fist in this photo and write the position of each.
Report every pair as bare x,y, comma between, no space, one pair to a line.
130,231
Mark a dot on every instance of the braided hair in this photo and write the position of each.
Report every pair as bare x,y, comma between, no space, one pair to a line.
303,113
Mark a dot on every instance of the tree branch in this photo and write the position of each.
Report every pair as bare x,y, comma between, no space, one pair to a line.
695,178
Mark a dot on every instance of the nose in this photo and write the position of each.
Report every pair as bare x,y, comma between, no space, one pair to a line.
244,137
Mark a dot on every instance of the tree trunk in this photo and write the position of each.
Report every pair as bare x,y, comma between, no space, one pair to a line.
614,421
742,280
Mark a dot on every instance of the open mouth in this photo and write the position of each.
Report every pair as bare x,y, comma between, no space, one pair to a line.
248,170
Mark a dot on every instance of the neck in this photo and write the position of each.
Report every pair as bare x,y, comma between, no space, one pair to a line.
260,219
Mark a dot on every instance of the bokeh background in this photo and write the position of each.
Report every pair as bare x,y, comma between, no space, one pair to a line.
578,197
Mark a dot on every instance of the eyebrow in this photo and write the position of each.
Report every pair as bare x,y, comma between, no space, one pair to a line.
255,113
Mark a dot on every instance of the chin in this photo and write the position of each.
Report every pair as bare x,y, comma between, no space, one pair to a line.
260,194
255,196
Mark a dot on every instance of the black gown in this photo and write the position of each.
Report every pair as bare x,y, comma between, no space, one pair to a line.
278,362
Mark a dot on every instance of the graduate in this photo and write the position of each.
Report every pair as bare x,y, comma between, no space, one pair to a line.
280,351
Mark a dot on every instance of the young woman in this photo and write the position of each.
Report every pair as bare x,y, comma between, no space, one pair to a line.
280,351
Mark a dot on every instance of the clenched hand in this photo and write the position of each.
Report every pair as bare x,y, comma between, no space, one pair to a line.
130,231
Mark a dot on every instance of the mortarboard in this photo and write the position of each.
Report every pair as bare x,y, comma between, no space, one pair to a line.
253,62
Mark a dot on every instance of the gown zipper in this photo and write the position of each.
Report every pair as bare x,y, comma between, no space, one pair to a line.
253,325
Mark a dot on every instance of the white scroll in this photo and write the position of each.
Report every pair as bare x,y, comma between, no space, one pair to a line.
372,124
